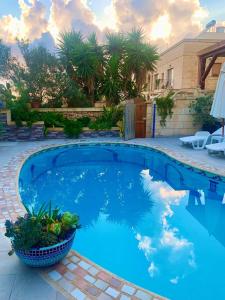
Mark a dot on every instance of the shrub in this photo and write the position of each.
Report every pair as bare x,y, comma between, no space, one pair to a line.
40,229
110,117
72,128
52,119
164,107
21,112
201,113
85,121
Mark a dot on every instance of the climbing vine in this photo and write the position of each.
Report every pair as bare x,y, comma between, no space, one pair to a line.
165,107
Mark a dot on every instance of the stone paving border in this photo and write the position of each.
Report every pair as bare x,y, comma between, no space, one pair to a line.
77,277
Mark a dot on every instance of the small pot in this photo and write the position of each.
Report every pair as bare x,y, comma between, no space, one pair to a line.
46,256
35,104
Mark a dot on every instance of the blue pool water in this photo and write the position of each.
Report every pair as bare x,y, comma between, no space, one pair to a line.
145,217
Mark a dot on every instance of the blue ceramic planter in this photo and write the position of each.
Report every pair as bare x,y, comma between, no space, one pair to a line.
47,256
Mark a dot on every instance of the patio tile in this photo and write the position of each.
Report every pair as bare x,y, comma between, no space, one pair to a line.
115,282
30,285
6,285
128,289
84,265
54,275
74,259
92,291
71,266
65,261
143,295
112,292
77,294
103,296
66,285
93,271
90,278
124,297
101,284
69,275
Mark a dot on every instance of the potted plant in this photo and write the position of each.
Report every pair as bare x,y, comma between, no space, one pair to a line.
42,238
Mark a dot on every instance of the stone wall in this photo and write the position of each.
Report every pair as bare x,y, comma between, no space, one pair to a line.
10,132
180,124
74,113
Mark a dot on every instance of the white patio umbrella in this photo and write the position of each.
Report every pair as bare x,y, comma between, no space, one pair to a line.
218,106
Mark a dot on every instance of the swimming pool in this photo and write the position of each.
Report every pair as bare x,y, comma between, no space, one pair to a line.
146,217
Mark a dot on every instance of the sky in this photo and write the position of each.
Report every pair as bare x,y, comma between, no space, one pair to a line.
164,21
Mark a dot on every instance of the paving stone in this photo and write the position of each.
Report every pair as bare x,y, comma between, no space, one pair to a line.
101,284
112,292
93,271
90,278
71,266
128,289
143,295
74,259
103,296
66,285
115,282
124,297
77,294
65,261
70,276
93,291
54,275
84,265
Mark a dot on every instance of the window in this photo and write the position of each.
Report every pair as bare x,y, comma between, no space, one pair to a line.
216,69
170,77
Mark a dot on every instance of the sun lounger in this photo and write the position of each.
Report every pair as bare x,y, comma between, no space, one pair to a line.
198,141
216,148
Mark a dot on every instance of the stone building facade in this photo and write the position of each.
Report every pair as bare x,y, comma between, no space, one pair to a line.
178,67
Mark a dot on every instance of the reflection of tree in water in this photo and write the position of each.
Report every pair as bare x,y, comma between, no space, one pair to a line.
126,200
90,189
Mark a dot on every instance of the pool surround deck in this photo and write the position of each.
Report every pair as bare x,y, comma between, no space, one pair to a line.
77,277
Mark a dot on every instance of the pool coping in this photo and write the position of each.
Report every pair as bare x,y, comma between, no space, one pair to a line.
81,288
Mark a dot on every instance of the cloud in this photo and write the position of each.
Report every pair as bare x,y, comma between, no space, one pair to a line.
169,239
31,24
71,14
164,21
145,244
152,270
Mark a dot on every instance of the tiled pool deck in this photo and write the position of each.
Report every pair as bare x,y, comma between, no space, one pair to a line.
75,277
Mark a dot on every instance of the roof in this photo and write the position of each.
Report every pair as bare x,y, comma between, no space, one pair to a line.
216,49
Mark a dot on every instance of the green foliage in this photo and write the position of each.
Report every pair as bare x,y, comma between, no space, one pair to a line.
4,58
109,118
21,112
85,121
165,107
43,228
52,119
201,112
72,128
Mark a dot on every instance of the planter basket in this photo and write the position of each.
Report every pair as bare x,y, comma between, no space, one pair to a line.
47,256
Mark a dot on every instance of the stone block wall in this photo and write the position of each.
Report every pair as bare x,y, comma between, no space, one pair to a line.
74,113
180,124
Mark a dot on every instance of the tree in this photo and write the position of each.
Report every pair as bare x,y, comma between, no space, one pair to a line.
4,58
140,58
83,60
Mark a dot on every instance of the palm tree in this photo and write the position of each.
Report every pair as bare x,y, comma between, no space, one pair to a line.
84,59
140,58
